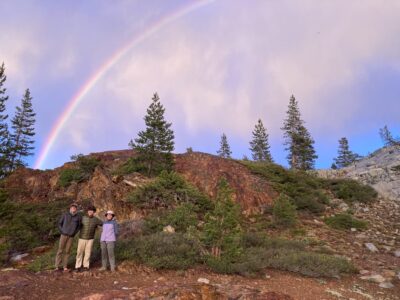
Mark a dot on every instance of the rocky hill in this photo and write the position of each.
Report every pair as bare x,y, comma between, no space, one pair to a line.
312,247
109,191
380,169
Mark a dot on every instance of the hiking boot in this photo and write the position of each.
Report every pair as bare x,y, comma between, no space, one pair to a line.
78,270
102,269
85,269
66,270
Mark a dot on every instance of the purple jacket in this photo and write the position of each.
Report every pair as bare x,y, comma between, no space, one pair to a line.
110,231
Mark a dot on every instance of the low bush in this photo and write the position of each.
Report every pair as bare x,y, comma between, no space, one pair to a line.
307,191
181,218
284,212
345,221
67,176
168,190
351,191
25,226
85,166
161,251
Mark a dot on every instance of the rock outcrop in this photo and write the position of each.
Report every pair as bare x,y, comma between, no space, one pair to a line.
108,191
381,170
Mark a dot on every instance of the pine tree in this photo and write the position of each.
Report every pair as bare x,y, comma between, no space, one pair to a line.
21,139
155,144
259,146
4,133
298,140
224,149
345,155
388,138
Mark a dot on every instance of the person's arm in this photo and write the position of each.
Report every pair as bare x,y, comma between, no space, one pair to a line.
61,222
79,225
116,228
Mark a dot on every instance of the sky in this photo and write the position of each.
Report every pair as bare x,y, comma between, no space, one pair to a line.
218,66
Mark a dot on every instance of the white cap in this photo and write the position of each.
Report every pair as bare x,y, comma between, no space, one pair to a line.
110,212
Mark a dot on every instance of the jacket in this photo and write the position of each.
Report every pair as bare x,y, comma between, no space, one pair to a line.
69,224
110,231
88,227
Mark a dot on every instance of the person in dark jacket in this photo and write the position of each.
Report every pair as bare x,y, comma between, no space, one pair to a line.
86,238
69,225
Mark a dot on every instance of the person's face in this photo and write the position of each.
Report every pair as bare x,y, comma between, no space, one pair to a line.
90,213
72,210
109,216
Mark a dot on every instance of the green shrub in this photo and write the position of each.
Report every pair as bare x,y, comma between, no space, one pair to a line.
168,190
67,176
25,226
284,212
132,165
181,218
85,166
222,231
309,263
351,191
258,239
345,221
256,259
163,251
305,190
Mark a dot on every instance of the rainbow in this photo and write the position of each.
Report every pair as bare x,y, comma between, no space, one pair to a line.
102,70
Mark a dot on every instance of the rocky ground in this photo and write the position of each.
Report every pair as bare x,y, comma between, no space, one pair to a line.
133,282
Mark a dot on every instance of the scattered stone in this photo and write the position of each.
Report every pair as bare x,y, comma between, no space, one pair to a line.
353,229
388,273
374,278
169,229
267,276
361,236
371,247
334,293
397,253
19,257
364,272
203,280
386,285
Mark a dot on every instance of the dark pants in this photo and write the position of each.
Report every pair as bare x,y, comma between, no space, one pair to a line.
107,255
64,248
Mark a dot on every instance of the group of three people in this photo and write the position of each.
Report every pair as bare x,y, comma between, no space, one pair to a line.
71,223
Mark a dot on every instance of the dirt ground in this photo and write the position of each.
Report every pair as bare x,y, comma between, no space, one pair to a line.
135,282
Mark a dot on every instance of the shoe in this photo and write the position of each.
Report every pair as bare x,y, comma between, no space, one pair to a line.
78,270
85,269
57,269
66,270
102,269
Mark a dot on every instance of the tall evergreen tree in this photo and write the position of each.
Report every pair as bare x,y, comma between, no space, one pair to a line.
388,138
155,144
224,149
259,145
21,139
298,140
345,155
4,133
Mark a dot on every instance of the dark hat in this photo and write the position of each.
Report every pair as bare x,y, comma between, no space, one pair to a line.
91,207
74,204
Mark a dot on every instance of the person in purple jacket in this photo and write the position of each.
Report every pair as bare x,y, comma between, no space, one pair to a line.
107,241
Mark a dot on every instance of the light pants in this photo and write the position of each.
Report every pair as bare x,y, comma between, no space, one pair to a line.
107,254
64,248
84,247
